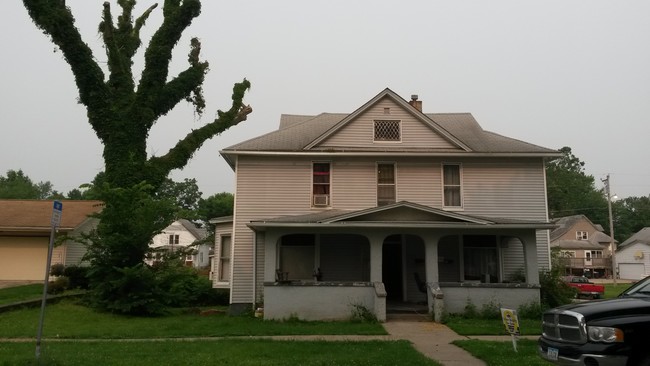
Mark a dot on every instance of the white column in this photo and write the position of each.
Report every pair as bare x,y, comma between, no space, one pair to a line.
529,241
431,258
376,246
270,255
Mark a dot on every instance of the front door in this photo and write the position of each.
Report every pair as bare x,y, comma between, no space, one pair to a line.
392,268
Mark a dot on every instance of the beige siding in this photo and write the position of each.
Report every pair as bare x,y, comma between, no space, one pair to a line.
359,133
23,258
271,187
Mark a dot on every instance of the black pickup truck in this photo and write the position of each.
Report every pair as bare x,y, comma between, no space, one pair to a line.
601,332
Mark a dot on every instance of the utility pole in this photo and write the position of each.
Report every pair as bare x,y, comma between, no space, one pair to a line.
611,227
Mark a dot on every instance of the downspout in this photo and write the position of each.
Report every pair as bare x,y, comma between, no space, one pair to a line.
254,270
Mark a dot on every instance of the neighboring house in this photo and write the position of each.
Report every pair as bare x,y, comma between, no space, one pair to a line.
584,248
633,256
25,227
382,207
180,236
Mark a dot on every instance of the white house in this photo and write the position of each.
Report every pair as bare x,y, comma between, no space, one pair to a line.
180,236
633,256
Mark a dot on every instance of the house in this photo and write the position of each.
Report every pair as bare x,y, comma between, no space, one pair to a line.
181,235
383,208
25,227
633,256
584,248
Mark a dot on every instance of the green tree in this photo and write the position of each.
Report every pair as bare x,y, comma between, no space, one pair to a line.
17,185
630,215
217,205
185,195
122,112
572,192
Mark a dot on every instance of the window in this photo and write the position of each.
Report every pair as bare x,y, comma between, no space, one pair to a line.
388,131
224,259
173,239
582,235
451,185
385,184
567,254
480,258
321,184
596,253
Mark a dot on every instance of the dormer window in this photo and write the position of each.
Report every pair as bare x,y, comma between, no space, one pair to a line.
582,235
388,131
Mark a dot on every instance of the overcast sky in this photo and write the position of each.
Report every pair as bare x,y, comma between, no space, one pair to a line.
552,73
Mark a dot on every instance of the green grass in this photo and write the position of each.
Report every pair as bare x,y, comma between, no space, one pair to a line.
68,319
503,354
468,327
12,295
612,290
216,352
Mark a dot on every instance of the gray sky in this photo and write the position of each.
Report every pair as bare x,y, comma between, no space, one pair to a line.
553,73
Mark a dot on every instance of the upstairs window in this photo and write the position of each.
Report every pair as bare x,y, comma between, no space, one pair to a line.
387,130
174,239
452,188
582,235
321,184
385,184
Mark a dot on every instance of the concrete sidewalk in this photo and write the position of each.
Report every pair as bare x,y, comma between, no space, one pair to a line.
433,340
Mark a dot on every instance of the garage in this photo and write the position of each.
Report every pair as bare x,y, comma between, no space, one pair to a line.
23,258
631,271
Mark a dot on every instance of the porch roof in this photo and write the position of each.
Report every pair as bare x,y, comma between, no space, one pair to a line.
402,214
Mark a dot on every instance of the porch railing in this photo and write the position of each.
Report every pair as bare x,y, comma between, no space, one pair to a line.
586,263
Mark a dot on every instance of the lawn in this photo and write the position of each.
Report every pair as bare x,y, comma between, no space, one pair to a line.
20,293
68,319
503,354
216,352
612,290
469,327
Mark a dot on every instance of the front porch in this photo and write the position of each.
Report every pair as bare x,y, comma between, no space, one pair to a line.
326,270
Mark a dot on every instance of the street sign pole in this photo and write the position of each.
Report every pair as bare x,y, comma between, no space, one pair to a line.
55,222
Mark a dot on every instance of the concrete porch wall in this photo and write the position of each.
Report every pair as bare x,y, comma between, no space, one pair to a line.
511,296
322,300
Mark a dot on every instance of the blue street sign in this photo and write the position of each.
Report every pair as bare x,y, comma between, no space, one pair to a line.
56,213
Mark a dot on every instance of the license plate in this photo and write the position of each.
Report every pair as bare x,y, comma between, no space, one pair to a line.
552,353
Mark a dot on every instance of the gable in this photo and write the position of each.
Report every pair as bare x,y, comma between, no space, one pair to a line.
405,214
414,132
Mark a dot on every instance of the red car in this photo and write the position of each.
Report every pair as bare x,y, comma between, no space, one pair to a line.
585,288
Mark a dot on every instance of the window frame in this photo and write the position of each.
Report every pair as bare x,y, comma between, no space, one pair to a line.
221,259
444,186
582,235
393,184
174,239
387,141
314,184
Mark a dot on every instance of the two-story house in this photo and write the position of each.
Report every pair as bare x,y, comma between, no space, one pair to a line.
382,206
181,236
584,249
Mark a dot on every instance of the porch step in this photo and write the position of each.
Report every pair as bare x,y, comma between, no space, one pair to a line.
410,317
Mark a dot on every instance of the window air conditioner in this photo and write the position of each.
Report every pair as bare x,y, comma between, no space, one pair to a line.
321,199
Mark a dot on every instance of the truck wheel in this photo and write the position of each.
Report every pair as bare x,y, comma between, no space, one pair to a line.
641,361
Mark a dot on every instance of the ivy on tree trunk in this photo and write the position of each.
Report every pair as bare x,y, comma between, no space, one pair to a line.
122,113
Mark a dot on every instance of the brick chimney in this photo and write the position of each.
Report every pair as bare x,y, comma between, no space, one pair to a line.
417,104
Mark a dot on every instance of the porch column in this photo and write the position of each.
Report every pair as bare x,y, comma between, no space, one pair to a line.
431,258
376,245
529,244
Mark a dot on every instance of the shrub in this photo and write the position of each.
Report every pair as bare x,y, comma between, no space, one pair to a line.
490,310
58,286
471,312
184,286
78,276
360,313
554,291
532,310
57,269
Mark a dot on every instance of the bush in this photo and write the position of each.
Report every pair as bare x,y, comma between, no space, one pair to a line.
58,286
184,286
57,269
78,276
554,291
532,310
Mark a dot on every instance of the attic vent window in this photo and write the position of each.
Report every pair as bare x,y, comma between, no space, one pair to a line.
387,131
